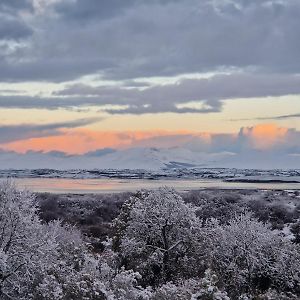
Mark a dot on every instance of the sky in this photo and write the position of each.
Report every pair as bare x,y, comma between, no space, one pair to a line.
211,75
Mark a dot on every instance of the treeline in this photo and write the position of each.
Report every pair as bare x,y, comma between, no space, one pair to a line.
151,245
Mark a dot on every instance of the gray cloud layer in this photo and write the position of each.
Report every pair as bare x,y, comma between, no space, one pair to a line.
12,27
281,117
209,94
10,133
128,39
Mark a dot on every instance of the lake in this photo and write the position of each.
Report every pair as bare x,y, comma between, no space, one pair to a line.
108,185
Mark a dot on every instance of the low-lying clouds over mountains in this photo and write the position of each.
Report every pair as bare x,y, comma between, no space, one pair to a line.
267,145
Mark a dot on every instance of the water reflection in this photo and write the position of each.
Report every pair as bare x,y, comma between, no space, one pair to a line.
107,185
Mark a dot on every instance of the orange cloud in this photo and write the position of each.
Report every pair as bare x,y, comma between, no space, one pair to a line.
265,136
79,141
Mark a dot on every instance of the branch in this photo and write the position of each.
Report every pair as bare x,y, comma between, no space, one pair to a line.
175,245
156,248
165,250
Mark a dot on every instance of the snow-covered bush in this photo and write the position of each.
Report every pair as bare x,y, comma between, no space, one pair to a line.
192,289
73,271
24,247
218,205
41,261
124,286
274,295
249,257
161,237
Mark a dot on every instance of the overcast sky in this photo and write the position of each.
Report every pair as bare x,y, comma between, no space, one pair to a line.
101,72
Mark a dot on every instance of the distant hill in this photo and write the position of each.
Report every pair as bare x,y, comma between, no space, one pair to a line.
148,159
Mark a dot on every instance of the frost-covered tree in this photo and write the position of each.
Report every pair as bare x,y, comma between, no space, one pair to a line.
41,261
249,257
160,237
23,242
73,272
123,285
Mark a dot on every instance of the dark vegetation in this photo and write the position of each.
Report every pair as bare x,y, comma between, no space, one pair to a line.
94,213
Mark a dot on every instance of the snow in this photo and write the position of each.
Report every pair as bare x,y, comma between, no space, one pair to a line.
135,158
145,158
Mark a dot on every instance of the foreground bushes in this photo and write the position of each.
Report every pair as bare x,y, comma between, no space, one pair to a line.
160,249
158,237
161,237
39,261
250,258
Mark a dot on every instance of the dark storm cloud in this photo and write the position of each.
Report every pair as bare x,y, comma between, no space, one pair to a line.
10,133
128,39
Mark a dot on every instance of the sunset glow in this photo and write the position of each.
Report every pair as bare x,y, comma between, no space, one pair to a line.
80,76
79,141
265,136
84,140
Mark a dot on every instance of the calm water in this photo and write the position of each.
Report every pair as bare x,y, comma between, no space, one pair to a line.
106,185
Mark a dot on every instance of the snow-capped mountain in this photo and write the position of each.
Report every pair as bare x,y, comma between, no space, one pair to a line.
134,158
148,159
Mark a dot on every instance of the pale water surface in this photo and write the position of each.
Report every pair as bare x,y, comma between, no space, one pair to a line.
108,185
